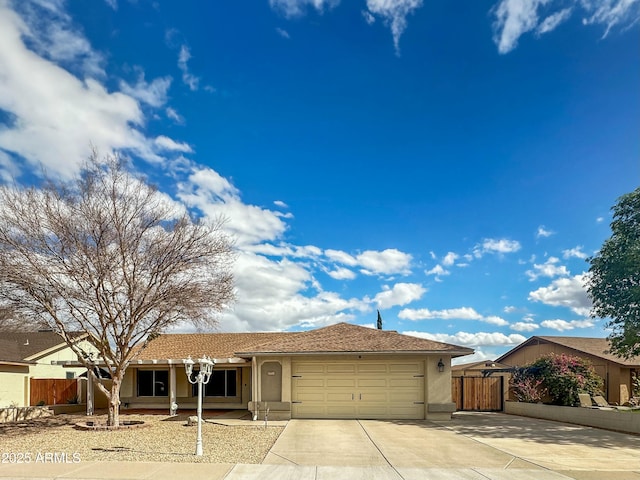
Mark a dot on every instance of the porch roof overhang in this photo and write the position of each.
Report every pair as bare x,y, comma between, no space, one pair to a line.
159,361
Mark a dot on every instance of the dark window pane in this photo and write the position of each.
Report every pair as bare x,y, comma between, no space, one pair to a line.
145,383
231,383
215,387
161,383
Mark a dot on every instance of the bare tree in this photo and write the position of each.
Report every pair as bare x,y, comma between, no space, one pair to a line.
10,321
109,255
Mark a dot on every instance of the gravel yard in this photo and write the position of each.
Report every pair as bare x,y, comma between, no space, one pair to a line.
167,439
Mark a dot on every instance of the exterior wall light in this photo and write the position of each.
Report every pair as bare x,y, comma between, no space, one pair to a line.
202,378
440,366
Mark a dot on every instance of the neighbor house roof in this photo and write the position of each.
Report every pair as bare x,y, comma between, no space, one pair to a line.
598,347
340,338
480,365
24,347
348,338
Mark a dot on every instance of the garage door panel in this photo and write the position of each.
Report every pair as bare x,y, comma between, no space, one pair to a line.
341,383
339,397
309,382
406,382
373,397
373,382
359,389
341,368
311,397
372,368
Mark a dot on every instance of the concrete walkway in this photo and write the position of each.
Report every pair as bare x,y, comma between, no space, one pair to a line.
471,447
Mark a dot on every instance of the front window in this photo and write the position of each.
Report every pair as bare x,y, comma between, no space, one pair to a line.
223,383
153,383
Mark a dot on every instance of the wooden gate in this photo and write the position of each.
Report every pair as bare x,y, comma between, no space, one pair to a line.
478,393
53,391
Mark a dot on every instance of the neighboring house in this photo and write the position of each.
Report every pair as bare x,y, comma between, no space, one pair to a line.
615,371
340,371
24,356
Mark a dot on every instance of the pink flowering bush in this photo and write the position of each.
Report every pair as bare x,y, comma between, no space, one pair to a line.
558,378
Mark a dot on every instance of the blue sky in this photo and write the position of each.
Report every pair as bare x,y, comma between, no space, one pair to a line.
450,164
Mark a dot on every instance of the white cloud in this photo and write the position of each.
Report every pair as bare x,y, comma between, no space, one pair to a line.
563,325
394,13
339,256
462,313
58,116
188,78
342,273
552,21
269,298
174,115
52,35
611,13
214,195
565,292
514,18
384,262
495,320
399,294
548,269
510,309
472,339
449,259
283,33
280,203
575,252
154,93
438,271
298,8
524,326
370,19
500,246
543,232
165,143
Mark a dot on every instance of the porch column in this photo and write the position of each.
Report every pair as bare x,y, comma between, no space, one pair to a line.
90,393
254,388
172,389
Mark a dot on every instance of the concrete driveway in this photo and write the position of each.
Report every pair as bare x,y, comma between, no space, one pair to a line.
472,446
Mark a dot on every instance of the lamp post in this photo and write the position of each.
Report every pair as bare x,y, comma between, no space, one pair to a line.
202,378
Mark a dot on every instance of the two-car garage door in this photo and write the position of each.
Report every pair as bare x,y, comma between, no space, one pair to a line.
366,389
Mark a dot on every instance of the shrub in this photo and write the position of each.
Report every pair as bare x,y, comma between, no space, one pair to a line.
558,378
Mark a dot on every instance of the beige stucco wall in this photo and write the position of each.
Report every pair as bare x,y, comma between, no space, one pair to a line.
14,381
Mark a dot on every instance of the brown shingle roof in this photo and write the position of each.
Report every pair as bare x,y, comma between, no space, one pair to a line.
344,337
18,346
215,345
338,338
598,347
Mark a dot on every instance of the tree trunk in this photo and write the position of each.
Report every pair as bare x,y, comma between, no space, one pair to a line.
114,402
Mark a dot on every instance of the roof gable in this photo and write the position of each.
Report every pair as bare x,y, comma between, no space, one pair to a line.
345,337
